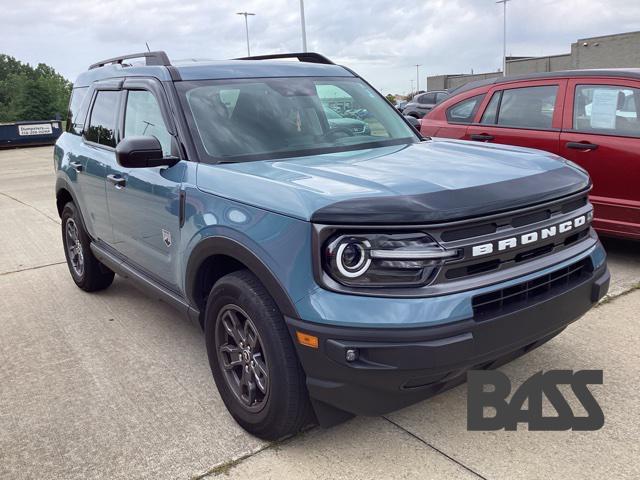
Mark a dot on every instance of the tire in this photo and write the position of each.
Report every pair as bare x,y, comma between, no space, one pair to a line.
86,270
268,407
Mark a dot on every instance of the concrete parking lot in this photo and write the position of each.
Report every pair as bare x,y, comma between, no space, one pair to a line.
115,385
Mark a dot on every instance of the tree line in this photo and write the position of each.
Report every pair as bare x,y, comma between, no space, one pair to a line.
28,93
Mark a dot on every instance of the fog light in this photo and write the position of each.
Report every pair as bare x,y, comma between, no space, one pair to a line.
351,355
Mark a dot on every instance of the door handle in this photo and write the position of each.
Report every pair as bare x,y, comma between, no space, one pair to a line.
581,146
77,166
482,137
117,180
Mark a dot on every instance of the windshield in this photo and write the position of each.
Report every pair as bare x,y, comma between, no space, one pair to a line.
266,118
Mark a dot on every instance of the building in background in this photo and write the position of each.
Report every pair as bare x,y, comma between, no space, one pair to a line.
608,51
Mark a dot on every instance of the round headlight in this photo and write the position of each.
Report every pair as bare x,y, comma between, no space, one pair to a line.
384,259
352,258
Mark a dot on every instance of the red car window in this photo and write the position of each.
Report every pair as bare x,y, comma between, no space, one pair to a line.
526,107
464,111
606,109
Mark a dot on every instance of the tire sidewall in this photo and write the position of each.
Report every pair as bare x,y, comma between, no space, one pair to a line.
232,292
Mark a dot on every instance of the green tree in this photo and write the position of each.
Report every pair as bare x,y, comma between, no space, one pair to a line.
391,97
28,93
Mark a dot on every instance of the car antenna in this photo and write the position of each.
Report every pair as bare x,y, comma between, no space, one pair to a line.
147,44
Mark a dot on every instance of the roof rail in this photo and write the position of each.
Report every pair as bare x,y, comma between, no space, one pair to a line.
152,58
309,57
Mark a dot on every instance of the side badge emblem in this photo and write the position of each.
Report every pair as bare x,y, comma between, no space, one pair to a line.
166,238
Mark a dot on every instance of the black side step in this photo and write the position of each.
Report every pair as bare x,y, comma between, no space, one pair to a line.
148,285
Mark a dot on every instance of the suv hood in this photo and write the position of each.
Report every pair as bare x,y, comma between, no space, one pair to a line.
433,181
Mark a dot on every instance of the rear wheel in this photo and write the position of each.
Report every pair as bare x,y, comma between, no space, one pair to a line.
253,359
86,270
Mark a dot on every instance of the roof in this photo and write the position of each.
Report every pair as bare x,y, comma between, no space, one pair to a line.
259,68
608,72
254,67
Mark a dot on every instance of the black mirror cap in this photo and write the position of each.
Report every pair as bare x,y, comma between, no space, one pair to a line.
141,152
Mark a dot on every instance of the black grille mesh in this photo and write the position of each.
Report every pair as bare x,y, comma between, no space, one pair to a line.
502,301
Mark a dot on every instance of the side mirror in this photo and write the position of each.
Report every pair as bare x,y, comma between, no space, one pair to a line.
142,152
415,123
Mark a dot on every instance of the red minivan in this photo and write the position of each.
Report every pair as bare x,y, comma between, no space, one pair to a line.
591,117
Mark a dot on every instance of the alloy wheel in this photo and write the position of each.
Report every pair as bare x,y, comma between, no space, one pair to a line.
242,358
74,247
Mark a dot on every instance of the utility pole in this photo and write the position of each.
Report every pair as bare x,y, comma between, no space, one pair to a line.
504,35
304,28
246,26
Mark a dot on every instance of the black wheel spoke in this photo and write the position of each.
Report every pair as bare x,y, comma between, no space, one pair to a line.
241,357
251,392
259,370
250,335
231,356
230,322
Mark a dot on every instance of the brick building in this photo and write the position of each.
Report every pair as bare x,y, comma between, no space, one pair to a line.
607,51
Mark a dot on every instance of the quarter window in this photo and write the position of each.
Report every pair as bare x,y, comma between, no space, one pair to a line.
464,111
607,108
528,107
143,117
75,117
102,126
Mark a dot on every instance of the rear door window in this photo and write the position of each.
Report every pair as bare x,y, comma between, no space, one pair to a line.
607,109
490,114
102,125
441,96
527,107
428,98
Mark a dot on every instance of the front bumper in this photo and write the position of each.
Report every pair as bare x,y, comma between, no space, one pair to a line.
401,366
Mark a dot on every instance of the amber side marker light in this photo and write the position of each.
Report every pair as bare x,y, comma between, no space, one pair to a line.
307,340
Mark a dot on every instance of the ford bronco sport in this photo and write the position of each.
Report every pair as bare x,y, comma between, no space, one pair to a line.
335,271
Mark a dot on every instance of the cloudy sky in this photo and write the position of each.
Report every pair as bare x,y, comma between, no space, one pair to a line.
380,39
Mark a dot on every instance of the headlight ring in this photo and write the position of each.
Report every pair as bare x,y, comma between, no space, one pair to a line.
350,251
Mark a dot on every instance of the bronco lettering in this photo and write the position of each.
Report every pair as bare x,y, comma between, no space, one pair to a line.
527,238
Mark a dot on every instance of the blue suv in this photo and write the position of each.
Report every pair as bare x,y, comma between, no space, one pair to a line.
336,271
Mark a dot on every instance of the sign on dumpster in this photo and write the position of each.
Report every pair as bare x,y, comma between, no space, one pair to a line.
38,129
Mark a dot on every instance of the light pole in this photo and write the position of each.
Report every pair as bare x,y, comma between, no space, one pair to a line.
417,77
504,35
246,26
304,28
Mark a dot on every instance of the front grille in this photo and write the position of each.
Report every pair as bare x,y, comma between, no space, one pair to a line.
498,302
504,226
482,228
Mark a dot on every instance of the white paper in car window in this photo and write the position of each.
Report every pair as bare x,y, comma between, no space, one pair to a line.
603,108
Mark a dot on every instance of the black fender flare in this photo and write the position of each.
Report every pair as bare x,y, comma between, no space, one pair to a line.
219,245
62,184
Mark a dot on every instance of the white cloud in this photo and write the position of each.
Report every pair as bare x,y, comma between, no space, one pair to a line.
380,39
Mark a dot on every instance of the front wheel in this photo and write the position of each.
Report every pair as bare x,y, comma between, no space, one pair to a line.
253,359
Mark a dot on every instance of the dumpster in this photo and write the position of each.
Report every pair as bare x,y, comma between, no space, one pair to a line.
19,134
